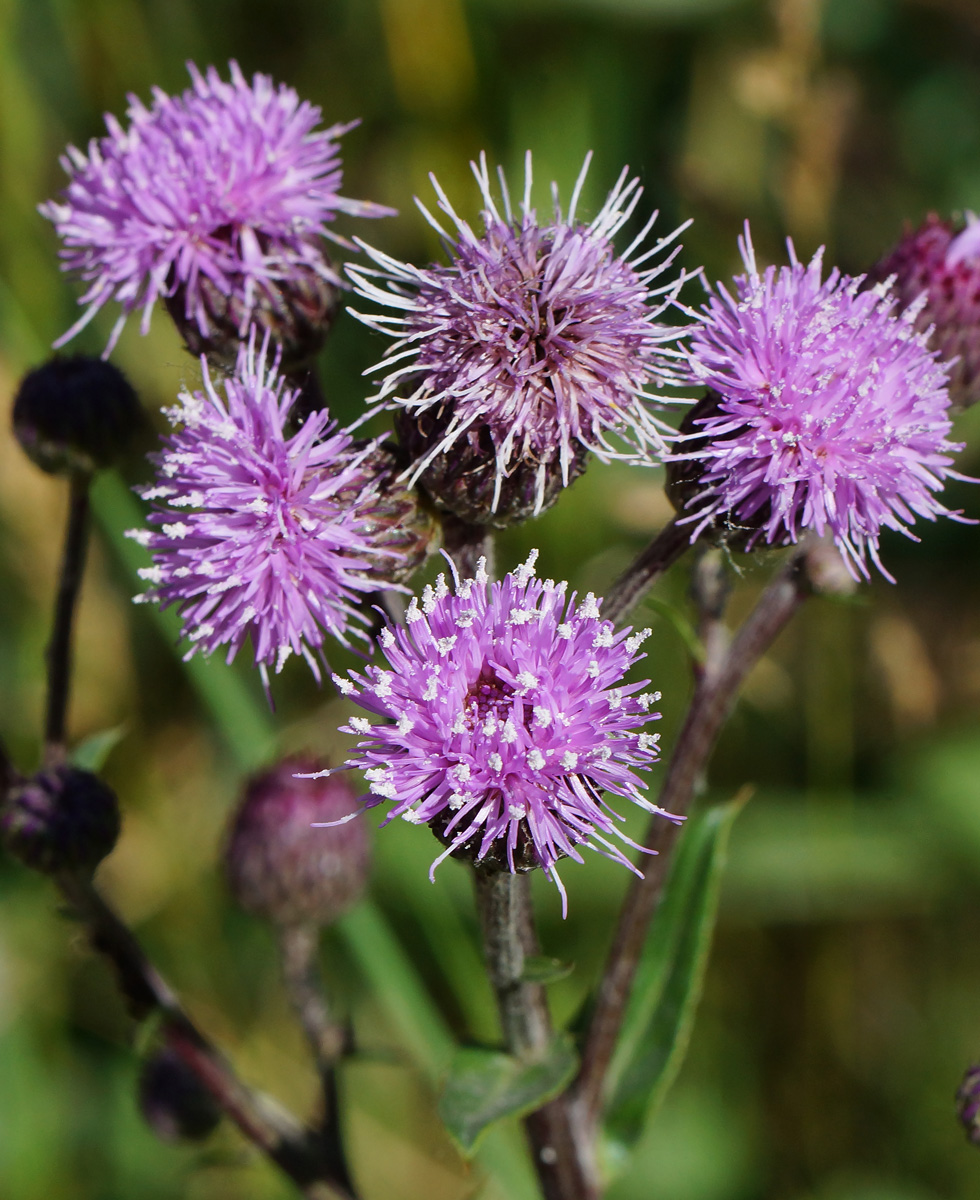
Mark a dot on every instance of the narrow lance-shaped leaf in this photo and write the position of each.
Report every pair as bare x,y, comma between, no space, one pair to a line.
662,1007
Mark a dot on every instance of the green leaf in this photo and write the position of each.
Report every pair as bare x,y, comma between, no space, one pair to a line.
661,1010
486,1085
539,968
91,753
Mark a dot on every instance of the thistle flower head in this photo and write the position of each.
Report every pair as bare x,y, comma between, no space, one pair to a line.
537,333
943,266
506,718
221,195
258,532
830,413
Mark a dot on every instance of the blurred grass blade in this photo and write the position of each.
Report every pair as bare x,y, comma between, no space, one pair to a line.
485,1086
661,1011
397,985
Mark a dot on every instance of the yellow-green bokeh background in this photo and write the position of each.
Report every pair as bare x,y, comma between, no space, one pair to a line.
843,1000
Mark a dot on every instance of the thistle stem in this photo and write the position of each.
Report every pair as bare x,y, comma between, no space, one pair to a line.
59,648
299,951
638,578
721,677
297,1151
562,1155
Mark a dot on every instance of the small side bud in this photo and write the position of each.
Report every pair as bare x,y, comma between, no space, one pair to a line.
297,310
75,415
173,1101
464,479
63,819
282,868
968,1103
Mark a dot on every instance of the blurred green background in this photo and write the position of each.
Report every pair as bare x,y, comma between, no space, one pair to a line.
843,998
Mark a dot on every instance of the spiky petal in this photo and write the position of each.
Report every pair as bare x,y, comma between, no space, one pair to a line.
226,189
259,533
832,413
506,718
536,331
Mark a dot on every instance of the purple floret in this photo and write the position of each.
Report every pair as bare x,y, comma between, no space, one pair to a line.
538,331
229,184
255,534
832,412
506,718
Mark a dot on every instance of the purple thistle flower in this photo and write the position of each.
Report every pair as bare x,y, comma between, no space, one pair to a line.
830,414
258,536
223,190
539,332
506,720
944,265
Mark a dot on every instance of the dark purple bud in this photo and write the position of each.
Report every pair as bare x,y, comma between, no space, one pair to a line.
968,1103
297,310
173,1101
76,415
63,819
942,264
465,479
282,868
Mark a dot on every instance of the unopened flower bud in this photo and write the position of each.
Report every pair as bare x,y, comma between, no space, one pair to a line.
404,531
76,415
282,868
968,1103
297,310
466,479
61,820
173,1101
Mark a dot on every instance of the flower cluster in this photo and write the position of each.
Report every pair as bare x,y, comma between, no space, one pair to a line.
942,266
830,412
211,197
506,718
258,535
538,333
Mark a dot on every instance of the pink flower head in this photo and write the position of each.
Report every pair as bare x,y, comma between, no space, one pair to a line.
832,414
943,267
255,533
506,718
536,330
227,187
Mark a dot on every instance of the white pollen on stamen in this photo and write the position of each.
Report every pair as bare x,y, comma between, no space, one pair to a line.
344,686
522,616
191,500
481,575
248,613
142,537
542,716
525,571
182,573
459,725
382,687
565,630
405,724
151,574
412,817
589,607
284,653
496,762
636,640
648,741
413,613
431,688
456,801
428,599
526,680
465,618
259,505
461,772
442,588
603,637
160,492
615,697
569,760
517,811
444,645
603,754
509,733
592,669
386,638
202,631
177,531
535,760
489,726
